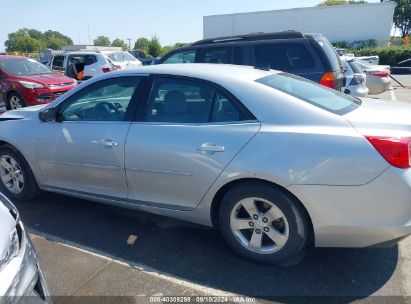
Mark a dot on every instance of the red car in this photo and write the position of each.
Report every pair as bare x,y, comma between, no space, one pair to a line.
26,82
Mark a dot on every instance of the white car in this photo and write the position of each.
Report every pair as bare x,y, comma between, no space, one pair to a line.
378,77
83,65
355,83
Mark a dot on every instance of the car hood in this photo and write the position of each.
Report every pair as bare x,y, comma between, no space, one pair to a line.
7,224
48,79
383,117
21,113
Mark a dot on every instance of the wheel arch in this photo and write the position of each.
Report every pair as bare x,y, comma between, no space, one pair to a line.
12,146
216,201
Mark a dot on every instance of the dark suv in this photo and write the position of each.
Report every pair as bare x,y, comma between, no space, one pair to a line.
309,55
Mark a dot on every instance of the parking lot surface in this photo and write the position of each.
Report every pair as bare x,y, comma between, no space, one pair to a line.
82,247
88,249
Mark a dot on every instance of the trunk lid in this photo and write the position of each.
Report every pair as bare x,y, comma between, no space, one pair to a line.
383,118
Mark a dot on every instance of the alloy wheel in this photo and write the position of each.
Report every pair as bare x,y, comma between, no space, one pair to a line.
15,102
259,225
11,174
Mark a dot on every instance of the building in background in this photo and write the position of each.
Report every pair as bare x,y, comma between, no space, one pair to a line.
358,22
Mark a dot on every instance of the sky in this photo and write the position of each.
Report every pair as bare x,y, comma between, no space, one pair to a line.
83,20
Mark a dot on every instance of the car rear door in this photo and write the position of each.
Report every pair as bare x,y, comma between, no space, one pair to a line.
182,139
83,150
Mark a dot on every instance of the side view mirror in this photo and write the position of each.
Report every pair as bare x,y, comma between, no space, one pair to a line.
48,115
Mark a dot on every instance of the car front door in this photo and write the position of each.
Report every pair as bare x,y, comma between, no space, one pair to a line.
184,137
83,150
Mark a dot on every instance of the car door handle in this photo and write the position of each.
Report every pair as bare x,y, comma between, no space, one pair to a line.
106,143
210,148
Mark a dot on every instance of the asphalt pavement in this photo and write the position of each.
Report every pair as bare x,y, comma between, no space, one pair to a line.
83,249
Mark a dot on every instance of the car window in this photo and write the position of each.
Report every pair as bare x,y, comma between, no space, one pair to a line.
225,110
24,67
182,57
107,100
330,52
58,62
89,59
405,63
217,55
355,67
311,92
238,56
180,100
120,56
284,56
175,100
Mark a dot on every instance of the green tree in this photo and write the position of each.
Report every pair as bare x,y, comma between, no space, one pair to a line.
402,17
340,2
166,49
32,40
154,46
55,40
120,43
141,44
102,41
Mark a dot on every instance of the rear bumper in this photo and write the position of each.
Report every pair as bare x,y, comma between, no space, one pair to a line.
22,279
378,85
360,216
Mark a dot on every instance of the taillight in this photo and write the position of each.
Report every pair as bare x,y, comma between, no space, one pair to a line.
380,73
395,150
106,70
328,80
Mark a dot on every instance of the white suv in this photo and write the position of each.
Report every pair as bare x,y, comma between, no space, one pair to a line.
83,65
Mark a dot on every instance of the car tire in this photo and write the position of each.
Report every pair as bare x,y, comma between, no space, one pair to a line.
15,101
17,170
290,230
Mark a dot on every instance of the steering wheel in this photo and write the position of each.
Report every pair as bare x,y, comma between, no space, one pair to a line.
105,109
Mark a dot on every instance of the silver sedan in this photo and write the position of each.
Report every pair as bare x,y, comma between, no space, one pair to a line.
275,161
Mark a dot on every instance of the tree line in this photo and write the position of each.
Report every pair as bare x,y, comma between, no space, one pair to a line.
32,41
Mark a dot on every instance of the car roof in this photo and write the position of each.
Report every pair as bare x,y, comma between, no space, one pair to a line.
6,57
206,71
252,37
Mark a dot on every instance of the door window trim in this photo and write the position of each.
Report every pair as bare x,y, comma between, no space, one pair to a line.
140,114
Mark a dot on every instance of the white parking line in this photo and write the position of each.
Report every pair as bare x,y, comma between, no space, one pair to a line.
393,98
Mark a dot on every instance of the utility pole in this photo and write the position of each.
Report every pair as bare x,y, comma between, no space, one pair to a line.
129,43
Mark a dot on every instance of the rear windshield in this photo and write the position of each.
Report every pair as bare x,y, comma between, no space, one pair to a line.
284,56
311,92
24,67
121,56
330,52
355,67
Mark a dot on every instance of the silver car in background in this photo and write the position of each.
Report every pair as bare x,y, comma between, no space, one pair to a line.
378,77
355,78
276,161
21,280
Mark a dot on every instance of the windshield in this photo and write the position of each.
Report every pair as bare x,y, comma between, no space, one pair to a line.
355,67
24,67
121,56
311,92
